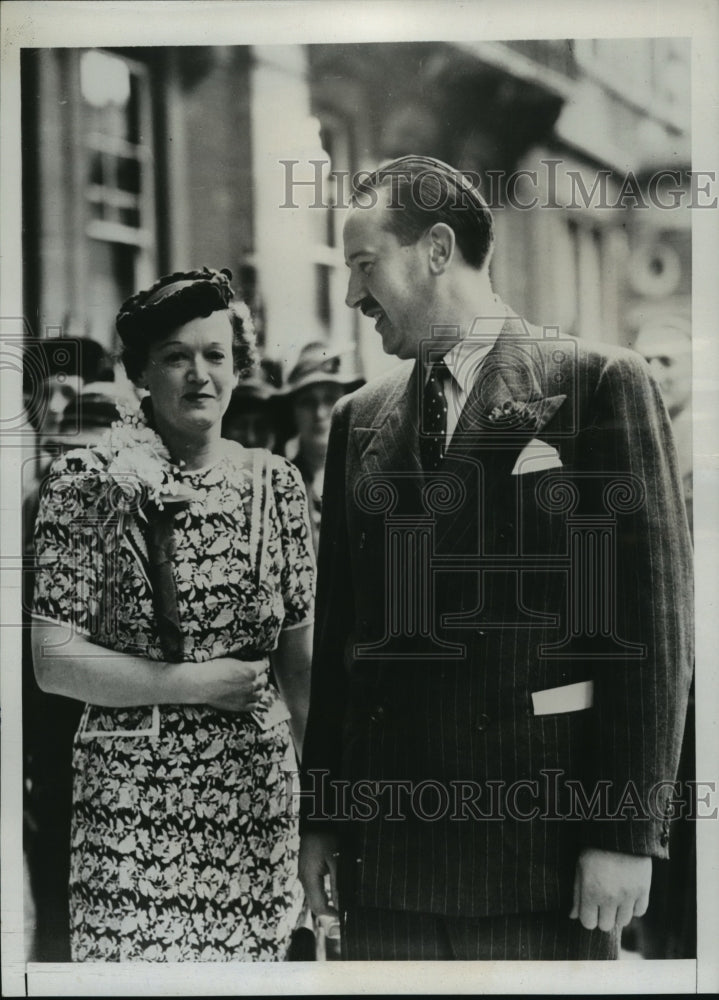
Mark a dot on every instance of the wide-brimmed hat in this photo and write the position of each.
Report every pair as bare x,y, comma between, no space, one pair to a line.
320,363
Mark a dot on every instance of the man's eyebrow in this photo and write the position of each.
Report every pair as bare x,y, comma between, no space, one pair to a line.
359,253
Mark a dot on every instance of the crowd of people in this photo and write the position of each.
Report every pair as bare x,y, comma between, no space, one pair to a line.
179,502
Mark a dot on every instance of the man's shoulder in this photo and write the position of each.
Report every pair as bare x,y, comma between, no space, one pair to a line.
588,358
586,351
367,400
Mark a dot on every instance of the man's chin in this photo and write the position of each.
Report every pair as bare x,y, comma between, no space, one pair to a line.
390,345
396,351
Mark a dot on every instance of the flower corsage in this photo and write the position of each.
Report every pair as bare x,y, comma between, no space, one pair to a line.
142,470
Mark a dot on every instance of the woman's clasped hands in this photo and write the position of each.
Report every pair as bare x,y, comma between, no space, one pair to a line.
230,684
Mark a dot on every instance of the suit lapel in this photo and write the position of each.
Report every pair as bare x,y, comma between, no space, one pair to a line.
391,444
504,411
507,406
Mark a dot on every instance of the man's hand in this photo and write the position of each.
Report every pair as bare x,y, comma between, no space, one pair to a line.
318,859
610,888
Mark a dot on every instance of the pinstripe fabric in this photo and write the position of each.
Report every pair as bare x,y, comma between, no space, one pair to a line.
391,935
470,719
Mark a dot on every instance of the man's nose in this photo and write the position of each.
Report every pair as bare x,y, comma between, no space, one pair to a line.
356,290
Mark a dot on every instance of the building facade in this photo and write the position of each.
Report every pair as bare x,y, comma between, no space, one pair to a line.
141,161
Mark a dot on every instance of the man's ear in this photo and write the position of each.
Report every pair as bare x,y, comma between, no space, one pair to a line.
441,247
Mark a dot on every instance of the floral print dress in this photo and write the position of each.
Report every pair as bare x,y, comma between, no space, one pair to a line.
184,835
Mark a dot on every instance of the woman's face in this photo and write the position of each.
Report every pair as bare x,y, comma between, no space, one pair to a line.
251,427
313,411
190,375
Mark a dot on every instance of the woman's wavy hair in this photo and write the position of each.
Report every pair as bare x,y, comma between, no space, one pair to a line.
149,316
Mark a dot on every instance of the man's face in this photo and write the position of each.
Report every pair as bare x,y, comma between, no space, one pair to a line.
669,356
389,282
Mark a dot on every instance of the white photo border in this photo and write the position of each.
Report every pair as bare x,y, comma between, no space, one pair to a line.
241,22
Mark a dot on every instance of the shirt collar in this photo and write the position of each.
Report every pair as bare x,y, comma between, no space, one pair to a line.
464,359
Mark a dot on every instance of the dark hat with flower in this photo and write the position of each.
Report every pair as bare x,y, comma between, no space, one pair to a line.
319,363
175,299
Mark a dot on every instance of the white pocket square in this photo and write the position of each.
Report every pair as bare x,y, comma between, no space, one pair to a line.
536,457
567,698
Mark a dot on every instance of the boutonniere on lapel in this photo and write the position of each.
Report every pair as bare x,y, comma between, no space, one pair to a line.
522,416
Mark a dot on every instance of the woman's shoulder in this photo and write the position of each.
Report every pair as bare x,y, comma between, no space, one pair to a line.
284,476
249,459
84,463
79,461
285,473
76,481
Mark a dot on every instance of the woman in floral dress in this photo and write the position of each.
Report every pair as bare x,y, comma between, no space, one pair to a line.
174,596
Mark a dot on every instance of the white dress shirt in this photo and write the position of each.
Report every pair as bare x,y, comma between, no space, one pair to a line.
464,361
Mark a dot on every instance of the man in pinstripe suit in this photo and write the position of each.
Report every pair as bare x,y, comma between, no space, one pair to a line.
503,641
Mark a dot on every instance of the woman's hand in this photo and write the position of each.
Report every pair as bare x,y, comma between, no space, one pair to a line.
73,666
231,685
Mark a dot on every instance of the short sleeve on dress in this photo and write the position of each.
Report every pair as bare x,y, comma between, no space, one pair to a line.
297,575
69,551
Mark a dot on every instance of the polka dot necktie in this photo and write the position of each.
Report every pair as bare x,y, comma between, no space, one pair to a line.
433,431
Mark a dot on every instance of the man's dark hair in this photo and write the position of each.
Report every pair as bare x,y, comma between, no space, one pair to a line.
425,191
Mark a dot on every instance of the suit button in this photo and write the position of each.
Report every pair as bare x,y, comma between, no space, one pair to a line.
481,633
377,714
482,723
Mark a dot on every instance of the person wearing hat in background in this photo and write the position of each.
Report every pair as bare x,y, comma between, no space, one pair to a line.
90,415
320,377
253,418
55,370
